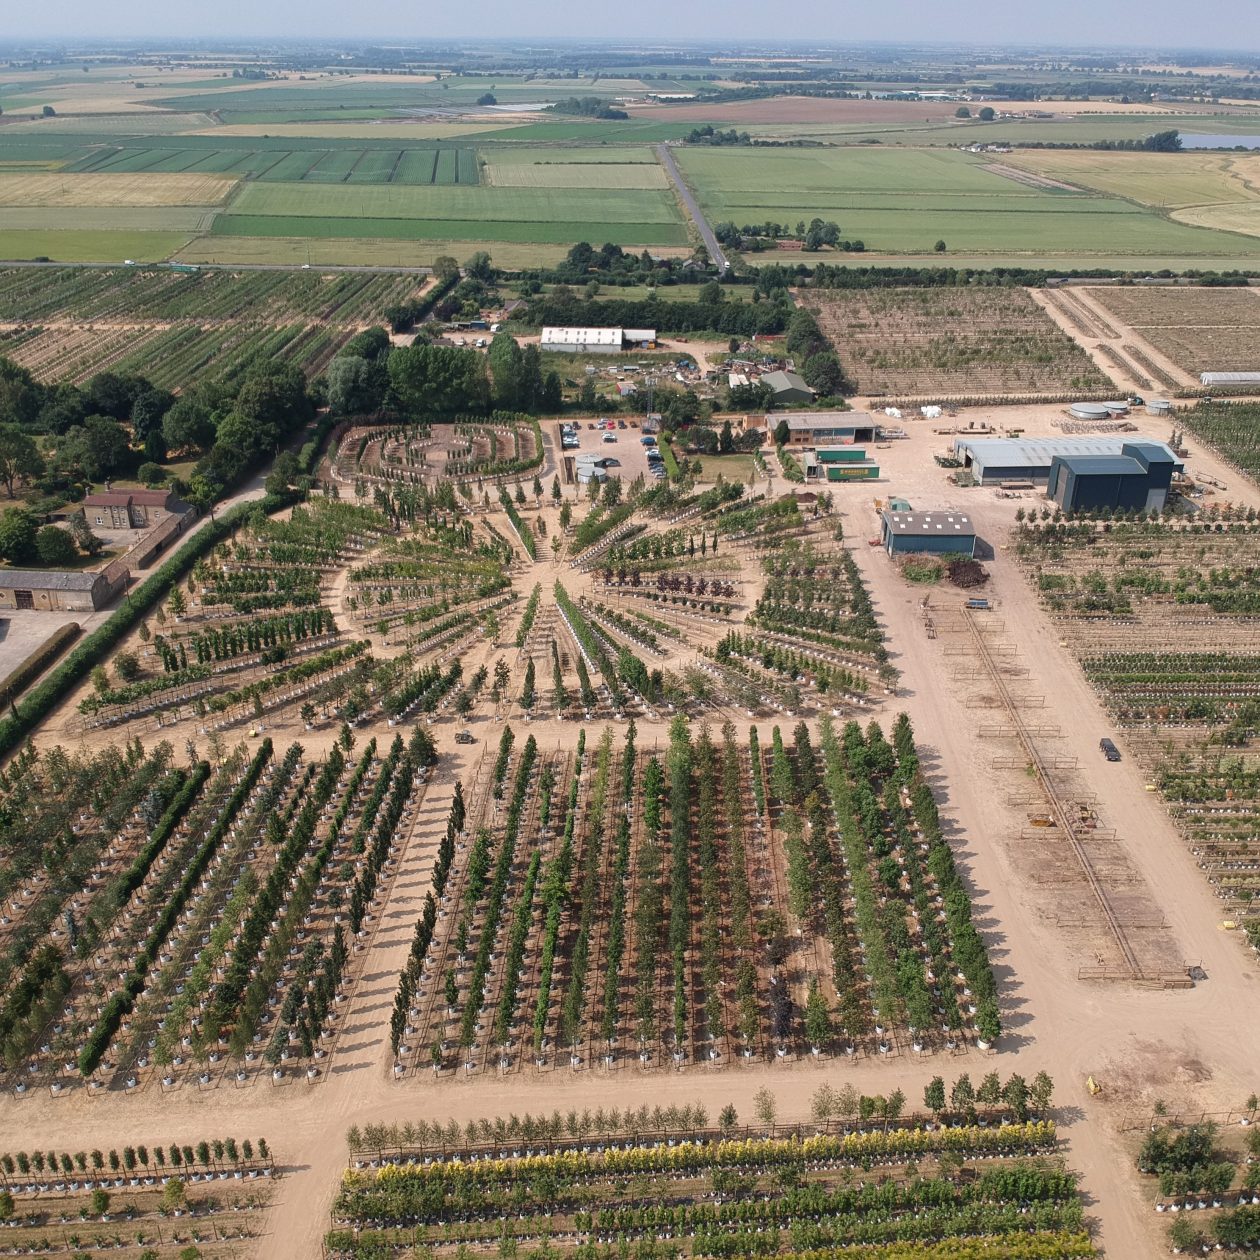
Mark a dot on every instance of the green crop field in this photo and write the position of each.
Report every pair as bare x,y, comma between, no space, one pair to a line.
450,229
312,162
89,245
534,154
576,175
906,201
541,205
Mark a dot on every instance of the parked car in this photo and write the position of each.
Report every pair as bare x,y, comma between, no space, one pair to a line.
610,437
465,737
1109,750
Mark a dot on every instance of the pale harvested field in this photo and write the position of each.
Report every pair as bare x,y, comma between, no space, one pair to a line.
575,175
1198,330
1243,216
802,109
1176,181
46,189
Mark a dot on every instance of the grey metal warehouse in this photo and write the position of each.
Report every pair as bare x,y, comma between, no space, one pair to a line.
903,532
1029,459
1138,479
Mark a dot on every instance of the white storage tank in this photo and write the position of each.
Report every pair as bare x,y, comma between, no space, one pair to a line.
1090,411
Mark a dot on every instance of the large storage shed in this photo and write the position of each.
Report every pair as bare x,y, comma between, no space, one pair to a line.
597,340
1138,479
52,591
823,428
1029,459
938,532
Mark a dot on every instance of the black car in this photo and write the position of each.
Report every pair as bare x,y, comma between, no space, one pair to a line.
1109,750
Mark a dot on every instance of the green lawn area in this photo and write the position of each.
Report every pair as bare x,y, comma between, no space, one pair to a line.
906,201
729,467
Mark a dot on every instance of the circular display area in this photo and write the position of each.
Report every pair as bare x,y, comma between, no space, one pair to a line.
1091,411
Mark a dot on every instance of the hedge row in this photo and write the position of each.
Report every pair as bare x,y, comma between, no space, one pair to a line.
38,661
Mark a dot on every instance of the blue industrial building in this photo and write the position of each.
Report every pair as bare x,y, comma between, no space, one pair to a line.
1136,479
939,532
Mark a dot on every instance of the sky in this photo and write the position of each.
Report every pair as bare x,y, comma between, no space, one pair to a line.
1062,23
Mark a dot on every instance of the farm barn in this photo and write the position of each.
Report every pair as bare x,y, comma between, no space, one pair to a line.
939,532
1029,459
49,591
787,387
597,340
826,427
1138,478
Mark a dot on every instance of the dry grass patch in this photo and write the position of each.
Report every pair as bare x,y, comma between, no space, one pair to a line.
138,189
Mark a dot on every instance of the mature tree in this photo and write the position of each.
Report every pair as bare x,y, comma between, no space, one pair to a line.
148,411
445,267
110,394
711,293
356,385
962,112
940,247
782,433
551,400
804,337
507,371
726,439
96,449
480,267
442,379
55,547
189,424
17,535
20,395
822,372
19,456
987,114
85,540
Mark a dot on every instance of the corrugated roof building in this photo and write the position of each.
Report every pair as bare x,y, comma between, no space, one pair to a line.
596,340
938,532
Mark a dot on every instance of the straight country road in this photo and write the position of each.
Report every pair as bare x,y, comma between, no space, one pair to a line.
693,209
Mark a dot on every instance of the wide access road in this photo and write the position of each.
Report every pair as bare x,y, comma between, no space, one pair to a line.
689,201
